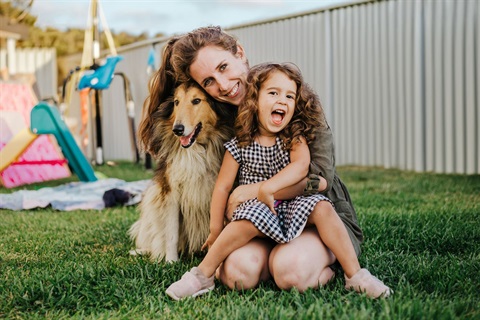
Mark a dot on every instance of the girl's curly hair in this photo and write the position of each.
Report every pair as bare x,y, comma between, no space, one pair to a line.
307,117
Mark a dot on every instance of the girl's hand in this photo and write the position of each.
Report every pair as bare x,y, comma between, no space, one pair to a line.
210,240
267,197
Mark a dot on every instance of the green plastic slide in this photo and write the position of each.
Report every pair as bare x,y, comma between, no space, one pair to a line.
45,119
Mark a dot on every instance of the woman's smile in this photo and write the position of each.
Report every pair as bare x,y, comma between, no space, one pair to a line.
221,73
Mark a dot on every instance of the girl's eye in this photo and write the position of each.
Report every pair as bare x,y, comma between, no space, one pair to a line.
196,101
273,93
290,97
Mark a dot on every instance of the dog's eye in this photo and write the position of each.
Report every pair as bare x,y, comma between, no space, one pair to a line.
176,102
196,101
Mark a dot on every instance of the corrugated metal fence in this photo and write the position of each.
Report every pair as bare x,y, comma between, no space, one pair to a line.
42,62
400,80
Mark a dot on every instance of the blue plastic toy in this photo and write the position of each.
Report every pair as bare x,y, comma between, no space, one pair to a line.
101,77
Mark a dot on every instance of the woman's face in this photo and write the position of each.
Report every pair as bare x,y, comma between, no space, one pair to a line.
276,103
221,73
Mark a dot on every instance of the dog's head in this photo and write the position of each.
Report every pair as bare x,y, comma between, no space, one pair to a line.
193,116
190,116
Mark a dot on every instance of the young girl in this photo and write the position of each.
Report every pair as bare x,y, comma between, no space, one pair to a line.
275,124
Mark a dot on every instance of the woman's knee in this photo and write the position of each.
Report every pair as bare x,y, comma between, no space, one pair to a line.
301,263
290,271
246,267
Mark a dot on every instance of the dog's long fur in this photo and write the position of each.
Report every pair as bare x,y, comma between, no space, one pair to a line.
175,209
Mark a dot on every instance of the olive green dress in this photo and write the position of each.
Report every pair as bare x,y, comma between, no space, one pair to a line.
323,164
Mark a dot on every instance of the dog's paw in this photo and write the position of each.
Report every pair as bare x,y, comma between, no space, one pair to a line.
172,257
138,252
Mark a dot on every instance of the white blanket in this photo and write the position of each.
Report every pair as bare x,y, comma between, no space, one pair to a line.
72,196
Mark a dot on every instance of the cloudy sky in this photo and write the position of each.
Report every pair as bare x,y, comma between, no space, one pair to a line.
168,16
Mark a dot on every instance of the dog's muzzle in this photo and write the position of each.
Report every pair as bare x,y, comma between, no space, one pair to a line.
186,141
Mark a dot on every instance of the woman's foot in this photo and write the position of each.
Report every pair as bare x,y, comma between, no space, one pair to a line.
364,282
193,283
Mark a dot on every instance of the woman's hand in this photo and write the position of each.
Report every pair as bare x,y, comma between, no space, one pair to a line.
240,195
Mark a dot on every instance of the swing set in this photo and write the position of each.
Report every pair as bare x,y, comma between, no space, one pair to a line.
95,75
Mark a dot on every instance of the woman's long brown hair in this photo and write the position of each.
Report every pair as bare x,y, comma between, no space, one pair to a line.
160,88
179,53
186,49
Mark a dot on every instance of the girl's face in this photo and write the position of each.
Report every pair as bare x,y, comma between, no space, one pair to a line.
221,73
276,103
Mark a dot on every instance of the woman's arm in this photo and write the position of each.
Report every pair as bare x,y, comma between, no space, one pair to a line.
221,191
322,164
289,176
249,191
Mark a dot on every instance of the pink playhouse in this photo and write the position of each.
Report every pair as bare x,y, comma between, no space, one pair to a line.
24,156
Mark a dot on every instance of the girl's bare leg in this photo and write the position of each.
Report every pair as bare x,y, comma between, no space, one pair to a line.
235,235
302,263
335,236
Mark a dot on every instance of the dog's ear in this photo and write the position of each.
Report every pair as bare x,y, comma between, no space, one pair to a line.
226,112
160,125
164,110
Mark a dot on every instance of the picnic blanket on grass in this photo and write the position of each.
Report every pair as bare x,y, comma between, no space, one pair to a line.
76,195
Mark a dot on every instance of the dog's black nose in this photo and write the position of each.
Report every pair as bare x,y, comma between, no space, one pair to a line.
178,129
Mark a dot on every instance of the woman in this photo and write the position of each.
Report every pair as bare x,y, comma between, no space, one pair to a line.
218,63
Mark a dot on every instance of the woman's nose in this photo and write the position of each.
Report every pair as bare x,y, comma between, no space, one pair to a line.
222,84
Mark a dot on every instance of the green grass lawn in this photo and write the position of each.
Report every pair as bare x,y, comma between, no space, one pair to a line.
422,236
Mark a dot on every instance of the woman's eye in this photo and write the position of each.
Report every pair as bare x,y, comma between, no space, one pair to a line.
223,67
196,101
206,83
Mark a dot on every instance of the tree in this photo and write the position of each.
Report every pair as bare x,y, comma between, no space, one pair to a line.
17,11
65,42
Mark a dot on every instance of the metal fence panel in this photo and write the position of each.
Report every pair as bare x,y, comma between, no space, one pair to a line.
41,62
470,102
399,80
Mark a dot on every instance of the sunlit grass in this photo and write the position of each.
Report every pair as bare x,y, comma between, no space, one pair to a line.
422,233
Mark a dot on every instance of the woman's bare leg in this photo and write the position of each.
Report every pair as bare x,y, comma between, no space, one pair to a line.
302,263
247,266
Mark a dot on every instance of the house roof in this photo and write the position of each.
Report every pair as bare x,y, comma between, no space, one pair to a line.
12,30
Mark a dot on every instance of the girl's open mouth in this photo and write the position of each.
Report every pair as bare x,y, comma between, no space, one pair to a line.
277,116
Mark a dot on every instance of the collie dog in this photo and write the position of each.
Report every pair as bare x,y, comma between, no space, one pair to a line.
190,130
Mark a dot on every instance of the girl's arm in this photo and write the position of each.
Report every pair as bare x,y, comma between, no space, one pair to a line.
292,174
221,191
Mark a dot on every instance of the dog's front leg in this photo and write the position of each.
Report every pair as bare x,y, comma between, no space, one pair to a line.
172,231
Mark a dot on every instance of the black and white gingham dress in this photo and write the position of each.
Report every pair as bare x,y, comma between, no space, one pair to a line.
259,163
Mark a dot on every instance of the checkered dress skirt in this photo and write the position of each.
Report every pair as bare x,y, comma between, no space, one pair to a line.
259,163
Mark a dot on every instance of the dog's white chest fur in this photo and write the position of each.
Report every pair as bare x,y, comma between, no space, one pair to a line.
175,210
187,139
